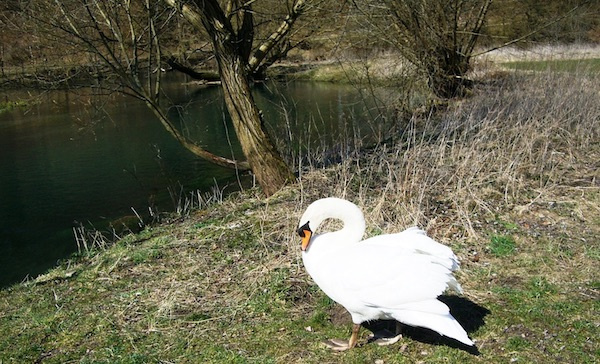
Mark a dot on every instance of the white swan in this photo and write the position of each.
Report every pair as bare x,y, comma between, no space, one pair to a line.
393,276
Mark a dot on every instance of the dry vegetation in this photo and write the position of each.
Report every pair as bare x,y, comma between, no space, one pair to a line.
508,178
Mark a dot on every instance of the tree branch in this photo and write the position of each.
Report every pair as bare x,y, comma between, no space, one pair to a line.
280,33
534,31
207,76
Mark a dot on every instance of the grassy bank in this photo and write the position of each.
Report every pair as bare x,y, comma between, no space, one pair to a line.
562,65
508,178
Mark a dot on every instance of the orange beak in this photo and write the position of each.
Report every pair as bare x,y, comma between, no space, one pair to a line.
306,239
305,233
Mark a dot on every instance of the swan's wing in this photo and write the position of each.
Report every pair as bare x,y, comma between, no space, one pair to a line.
416,240
390,277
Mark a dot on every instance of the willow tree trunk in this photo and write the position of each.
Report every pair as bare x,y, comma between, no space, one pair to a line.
271,171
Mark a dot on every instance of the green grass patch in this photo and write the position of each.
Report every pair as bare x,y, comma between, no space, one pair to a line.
591,65
517,343
502,245
510,226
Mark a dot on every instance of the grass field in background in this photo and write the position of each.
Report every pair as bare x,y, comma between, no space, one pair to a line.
561,65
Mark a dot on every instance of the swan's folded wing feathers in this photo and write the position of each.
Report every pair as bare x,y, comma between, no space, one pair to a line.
400,291
415,240
391,278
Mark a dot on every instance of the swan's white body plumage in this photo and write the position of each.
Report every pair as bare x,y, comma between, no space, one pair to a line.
393,276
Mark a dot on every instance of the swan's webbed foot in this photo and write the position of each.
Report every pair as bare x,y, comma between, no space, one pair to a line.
341,345
384,340
386,337
337,344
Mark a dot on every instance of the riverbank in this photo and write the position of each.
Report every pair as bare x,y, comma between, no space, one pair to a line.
508,178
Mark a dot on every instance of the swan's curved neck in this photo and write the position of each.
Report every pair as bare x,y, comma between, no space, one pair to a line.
354,224
335,208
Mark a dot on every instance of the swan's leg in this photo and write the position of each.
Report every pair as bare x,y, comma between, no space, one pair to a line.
354,336
341,345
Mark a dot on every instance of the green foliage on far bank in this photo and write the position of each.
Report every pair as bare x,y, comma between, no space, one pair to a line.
10,105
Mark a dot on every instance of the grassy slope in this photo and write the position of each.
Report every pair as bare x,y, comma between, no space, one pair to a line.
509,179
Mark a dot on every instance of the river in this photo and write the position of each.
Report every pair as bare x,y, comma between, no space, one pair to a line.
77,157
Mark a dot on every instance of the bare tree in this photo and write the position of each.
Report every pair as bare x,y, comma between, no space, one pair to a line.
125,37
262,29
231,31
122,38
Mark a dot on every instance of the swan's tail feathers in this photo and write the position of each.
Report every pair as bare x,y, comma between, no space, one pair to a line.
454,285
418,240
435,317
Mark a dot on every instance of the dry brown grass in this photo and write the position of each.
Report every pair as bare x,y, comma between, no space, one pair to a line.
518,138
545,52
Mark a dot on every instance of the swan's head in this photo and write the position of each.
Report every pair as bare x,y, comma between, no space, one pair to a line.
315,213
326,208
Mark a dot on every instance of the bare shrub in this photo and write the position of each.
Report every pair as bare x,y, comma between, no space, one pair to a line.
437,37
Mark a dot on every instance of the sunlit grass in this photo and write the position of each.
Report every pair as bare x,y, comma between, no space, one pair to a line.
591,65
502,245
